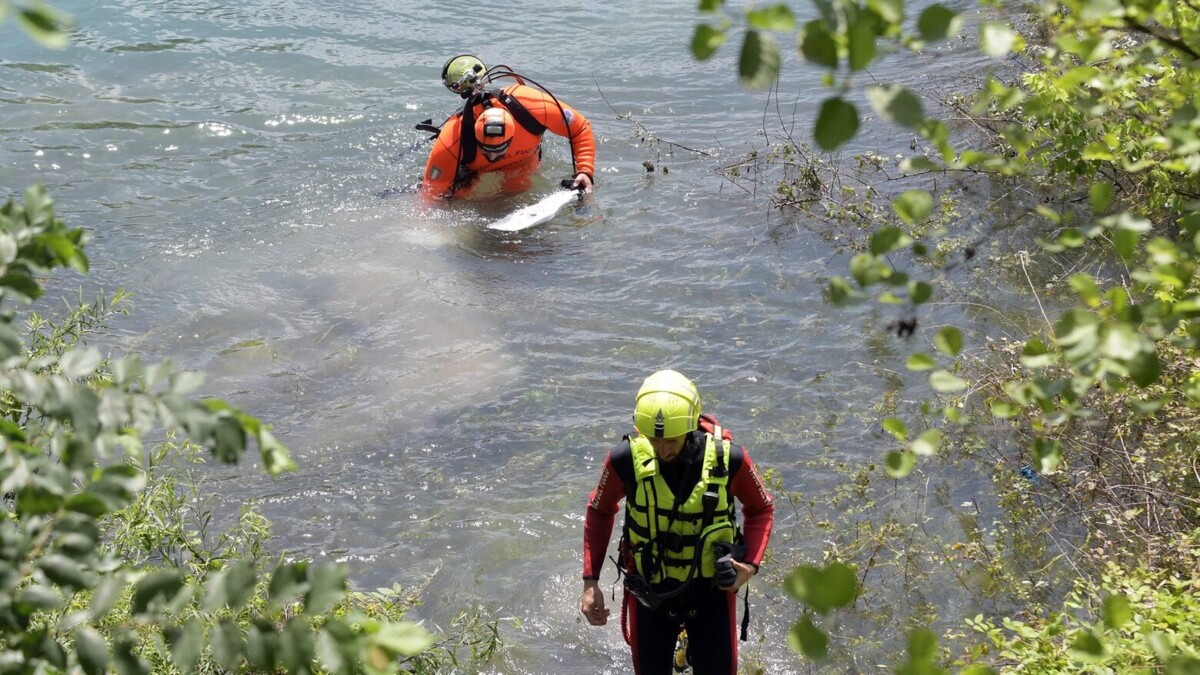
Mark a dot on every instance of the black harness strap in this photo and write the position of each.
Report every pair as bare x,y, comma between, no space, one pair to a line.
519,112
427,125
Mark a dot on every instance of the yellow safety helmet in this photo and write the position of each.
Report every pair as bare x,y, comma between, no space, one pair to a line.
461,73
667,406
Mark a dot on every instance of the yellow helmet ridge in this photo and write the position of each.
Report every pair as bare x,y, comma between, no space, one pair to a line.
667,406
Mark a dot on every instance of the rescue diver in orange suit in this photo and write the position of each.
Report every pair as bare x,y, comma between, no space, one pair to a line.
672,574
499,131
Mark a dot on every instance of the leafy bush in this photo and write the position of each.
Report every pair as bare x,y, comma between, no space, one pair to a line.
1132,620
1099,143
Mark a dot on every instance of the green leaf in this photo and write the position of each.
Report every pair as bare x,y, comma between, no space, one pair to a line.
1125,242
1145,367
896,103
1047,455
37,598
866,269
888,239
1101,195
707,6
328,588
88,504
80,363
705,41
1085,286
891,11
63,571
817,45
186,643
837,123
42,25
996,39
334,656
1070,238
860,36
1087,647
1121,342
911,165
1116,611
758,65
297,647
38,499
949,341
777,17
1035,354
842,293
1097,152
91,650
275,456
1128,221
106,595
823,589
127,660
944,383
11,343
919,291
920,361
78,456
404,638
938,23
805,638
1160,644
927,443
899,464
185,382
1098,10
262,645
288,582
922,645
232,586
8,248
227,645
162,585
896,428
1003,409
913,206
228,439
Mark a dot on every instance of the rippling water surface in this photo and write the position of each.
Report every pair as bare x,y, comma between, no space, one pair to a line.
448,392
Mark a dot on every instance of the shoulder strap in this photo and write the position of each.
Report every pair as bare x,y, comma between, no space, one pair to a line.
519,112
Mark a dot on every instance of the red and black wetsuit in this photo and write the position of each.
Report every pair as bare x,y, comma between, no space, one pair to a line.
708,613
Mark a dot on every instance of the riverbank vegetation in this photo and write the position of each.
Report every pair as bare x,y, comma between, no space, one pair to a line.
110,556
1070,166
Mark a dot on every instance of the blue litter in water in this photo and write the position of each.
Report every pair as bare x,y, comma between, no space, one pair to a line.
1030,475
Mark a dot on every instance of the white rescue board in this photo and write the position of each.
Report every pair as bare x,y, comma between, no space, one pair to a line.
536,213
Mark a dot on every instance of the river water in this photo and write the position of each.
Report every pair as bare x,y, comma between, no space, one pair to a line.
449,392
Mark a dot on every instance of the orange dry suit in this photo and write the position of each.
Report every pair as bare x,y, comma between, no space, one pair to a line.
456,162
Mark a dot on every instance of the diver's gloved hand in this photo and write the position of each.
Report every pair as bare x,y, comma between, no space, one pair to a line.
581,182
726,575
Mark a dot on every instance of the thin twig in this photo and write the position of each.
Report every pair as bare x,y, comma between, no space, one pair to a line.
1023,256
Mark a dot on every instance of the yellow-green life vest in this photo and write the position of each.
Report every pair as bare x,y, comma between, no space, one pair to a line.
668,542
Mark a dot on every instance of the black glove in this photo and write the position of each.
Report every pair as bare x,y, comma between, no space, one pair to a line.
726,575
